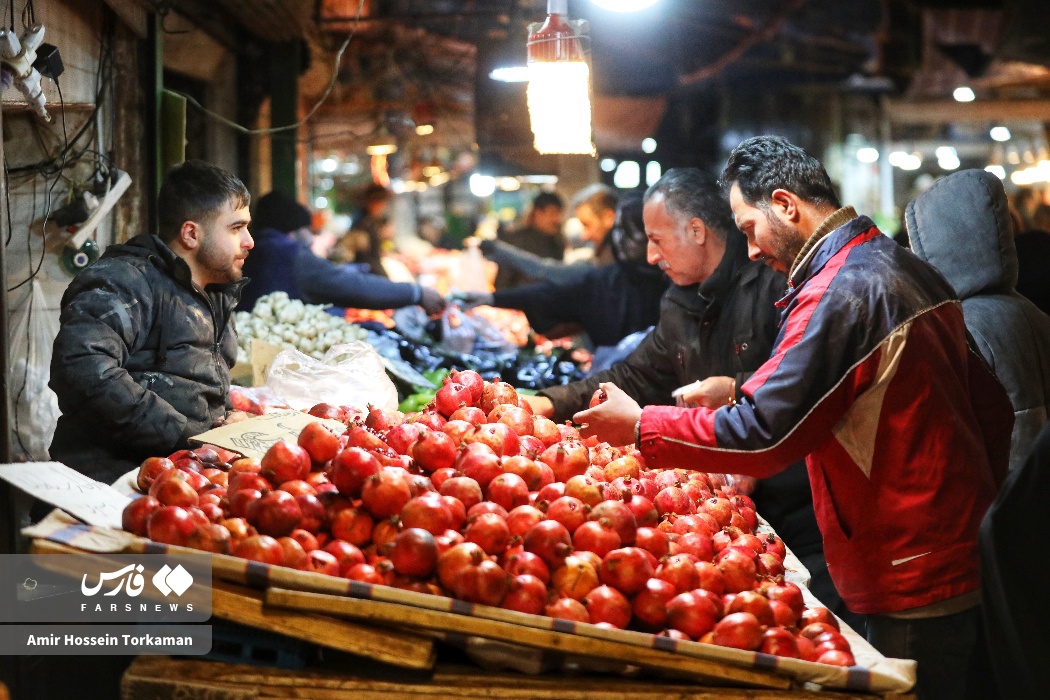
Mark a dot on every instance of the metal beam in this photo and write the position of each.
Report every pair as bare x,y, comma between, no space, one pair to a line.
285,61
947,111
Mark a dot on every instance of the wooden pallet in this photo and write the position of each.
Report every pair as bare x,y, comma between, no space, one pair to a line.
391,613
164,678
245,606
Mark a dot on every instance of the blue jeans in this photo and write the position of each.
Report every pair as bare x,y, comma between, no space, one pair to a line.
946,648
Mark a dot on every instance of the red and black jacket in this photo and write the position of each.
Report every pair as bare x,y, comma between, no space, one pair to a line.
906,432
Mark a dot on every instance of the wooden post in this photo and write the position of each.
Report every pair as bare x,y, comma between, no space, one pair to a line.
285,61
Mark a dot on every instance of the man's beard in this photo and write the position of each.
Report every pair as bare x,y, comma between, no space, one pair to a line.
219,267
788,241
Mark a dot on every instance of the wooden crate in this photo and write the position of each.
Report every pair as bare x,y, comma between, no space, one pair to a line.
164,678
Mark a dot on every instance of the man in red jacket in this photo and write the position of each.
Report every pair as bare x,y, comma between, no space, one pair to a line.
905,431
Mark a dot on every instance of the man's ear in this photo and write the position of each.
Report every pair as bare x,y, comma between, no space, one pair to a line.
190,235
785,204
698,229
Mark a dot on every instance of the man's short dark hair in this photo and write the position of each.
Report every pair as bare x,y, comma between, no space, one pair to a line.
196,191
598,197
545,200
690,193
762,164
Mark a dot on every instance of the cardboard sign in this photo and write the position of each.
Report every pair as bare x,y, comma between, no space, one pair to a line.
252,437
92,501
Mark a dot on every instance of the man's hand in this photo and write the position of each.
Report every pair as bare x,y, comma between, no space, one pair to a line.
541,405
612,421
468,300
432,301
713,392
232,417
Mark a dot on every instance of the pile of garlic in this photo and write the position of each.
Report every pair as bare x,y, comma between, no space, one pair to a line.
291,323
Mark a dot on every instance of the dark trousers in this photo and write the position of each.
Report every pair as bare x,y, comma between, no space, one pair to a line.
821,585
949,650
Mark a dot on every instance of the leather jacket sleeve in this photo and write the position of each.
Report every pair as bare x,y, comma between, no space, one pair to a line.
104,318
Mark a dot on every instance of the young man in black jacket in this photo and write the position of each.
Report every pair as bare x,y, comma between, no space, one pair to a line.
718,322
142,359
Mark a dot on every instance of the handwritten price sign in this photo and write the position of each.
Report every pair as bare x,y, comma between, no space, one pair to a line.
92,501
252,437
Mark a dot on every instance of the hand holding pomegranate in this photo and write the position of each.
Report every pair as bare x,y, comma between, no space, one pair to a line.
612,421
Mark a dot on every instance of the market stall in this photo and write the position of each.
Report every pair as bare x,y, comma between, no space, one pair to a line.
475,524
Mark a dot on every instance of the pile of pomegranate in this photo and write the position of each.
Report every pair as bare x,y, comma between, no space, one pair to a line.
478,499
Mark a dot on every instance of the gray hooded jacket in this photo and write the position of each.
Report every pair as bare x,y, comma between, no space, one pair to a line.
961,227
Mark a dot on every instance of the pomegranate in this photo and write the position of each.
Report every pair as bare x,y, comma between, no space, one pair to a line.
527,594
550,541
499,437
653,541
351,468
170,525
567,609
527,563
568,511
344,552
458,430
622,467
595,536
545,430
260,548
414,552
739,630
496,392
645,513
566,459
779,642
823,615
292,552
527,469
626,569
574,579
508,490
150,469
401,438
650,604
754,603
385,494
678,570
605,604
738,571
692,614
673,500
479,462
718,508
696,544
471,414
585,488
472,381
531,447
487,507
434,451
353,525
709,577
463,488
136,514
285,461
305,539
620,518
521,519
836,658
429,512
489,531
319,442
313,516
451,397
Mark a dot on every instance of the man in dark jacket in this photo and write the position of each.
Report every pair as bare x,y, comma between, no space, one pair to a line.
607,302
142,359
718,322
282,262
541,236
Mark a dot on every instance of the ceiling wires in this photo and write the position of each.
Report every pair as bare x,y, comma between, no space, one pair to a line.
313,110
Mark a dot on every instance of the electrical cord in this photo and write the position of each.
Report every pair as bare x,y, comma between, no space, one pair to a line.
277,129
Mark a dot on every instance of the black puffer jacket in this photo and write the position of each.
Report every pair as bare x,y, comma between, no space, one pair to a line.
723,327
142,360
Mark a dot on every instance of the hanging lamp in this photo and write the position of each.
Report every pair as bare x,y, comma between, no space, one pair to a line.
559,95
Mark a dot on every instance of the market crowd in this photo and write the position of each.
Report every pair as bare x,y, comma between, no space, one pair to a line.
889,404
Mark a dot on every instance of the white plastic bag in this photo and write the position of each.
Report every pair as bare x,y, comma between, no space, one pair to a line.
33,404
350,374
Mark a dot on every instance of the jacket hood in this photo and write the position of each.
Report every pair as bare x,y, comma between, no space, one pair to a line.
961,226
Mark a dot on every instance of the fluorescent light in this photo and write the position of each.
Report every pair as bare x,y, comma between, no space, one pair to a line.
947,158
628,175
997,170
648,145
440,179
329,165
607,165
653,171
424,129
624,5
511,74
963,94
482,185
381,149
905,161
559,100
509,184
321,202
867,155
999,133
